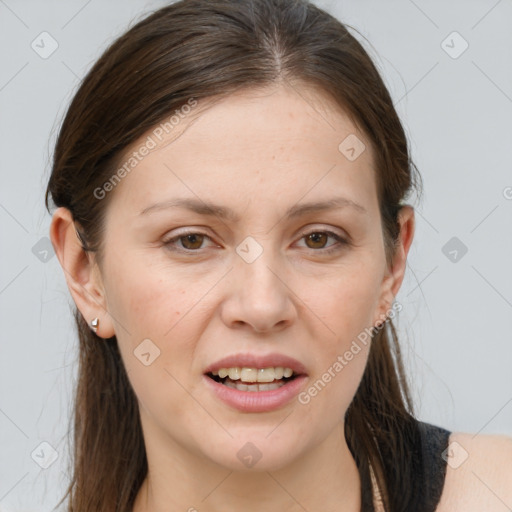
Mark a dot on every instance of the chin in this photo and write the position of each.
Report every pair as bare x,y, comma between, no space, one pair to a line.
255,453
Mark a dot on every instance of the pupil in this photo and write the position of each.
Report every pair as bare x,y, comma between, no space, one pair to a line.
315,237
192,239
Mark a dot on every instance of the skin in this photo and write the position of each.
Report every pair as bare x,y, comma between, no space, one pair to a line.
259,153
483,481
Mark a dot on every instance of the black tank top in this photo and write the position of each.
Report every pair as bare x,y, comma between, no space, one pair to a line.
429,473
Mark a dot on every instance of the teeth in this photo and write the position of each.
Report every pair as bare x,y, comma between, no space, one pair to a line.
234,373
279,372
249,375
254,374
253,387
288,372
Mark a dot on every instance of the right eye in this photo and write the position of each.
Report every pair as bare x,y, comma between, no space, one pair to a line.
190,241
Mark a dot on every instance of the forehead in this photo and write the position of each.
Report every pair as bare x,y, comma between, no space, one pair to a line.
269,144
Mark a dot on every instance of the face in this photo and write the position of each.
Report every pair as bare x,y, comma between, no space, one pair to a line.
261,280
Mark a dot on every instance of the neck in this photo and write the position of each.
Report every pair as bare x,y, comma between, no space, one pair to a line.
326,476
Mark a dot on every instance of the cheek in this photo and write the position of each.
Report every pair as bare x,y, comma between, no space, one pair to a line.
155,344
346,303
150,301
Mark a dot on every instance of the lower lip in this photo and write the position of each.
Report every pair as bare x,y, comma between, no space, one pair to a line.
257,401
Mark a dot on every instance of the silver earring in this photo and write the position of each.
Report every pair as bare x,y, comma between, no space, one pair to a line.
94,325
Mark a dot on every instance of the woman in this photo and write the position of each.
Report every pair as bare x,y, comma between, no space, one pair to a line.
230,182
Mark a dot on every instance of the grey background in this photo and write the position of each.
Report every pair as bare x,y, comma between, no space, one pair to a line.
456,323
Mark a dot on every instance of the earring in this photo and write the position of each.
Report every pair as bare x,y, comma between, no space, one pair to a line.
94,325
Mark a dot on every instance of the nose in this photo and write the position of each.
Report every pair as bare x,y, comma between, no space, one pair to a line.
258,296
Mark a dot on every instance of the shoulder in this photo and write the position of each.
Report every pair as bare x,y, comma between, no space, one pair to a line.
478,474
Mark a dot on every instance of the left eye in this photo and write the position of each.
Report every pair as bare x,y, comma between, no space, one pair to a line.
192,241
320,237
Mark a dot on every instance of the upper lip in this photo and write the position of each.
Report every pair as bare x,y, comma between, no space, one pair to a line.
257,361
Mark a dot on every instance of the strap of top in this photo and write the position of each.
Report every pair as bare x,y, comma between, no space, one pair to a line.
434,441
431,472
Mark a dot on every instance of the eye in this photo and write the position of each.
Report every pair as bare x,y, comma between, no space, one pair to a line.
318,239
190,241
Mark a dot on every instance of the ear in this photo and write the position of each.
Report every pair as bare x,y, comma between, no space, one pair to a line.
395,275
81,272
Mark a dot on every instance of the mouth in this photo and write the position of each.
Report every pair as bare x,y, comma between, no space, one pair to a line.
251,383
253,379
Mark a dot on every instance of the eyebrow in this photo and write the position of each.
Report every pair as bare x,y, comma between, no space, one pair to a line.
210,209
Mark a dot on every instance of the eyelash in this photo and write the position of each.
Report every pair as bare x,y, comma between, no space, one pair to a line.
331,249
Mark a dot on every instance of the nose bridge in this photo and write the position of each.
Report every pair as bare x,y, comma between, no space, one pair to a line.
258,268
259,296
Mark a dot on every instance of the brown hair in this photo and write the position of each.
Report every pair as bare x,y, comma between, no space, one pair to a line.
206,49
